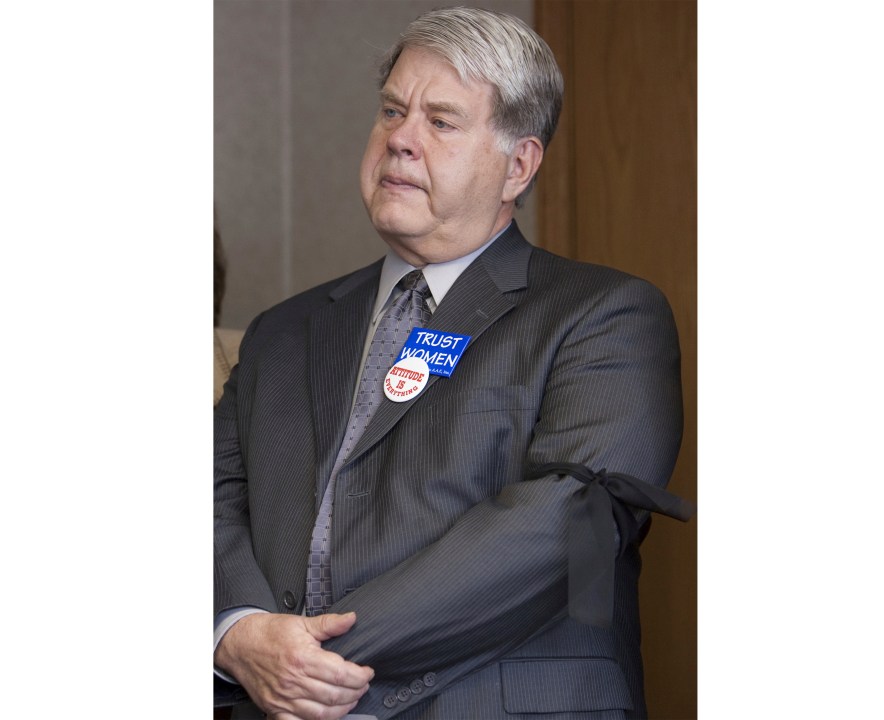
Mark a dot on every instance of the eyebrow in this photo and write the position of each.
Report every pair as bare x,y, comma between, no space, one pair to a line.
447,108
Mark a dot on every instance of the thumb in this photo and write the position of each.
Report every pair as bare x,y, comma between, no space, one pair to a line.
323,627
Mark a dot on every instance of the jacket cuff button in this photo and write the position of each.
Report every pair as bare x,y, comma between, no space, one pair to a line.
390,701
417,687
403,694
430,679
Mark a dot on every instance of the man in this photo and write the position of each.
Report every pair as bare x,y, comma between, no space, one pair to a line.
438,555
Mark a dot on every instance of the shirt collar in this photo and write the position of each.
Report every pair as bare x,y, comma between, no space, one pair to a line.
440,276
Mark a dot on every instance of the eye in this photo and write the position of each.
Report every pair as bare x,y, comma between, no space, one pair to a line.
389,112
441,124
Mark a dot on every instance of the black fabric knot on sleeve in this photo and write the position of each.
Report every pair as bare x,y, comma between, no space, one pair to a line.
597,512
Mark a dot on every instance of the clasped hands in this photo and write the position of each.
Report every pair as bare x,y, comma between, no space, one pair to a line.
280,662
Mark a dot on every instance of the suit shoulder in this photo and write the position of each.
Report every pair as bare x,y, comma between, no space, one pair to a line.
583,280
308,301
288,320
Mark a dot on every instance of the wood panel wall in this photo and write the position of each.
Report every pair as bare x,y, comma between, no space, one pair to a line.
619,187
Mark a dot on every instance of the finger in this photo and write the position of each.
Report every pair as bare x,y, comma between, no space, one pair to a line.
309,700
330,625
328,694
310,710
331,668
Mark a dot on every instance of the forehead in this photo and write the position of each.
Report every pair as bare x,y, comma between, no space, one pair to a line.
433,79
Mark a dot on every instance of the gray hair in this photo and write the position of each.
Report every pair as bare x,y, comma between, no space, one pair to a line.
501,50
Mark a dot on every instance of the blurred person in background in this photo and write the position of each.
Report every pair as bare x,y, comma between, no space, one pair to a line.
226,340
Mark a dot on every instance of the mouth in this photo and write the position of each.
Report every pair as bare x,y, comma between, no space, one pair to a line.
396,182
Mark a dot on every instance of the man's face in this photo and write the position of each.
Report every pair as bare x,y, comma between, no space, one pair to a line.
432,178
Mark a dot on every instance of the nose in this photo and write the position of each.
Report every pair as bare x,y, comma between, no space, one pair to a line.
404,139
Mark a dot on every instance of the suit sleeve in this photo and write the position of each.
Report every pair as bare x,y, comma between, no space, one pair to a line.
612,399
238,580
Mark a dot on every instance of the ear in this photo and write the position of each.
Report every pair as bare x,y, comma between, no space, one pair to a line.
524,162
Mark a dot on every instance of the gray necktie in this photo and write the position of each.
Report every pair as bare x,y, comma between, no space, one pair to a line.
408,311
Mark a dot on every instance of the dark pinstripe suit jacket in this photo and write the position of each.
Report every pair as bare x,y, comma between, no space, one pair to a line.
455,566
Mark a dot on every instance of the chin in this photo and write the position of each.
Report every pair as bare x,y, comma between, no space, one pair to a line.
398,225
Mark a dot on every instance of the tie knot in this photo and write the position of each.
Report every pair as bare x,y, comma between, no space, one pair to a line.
415,281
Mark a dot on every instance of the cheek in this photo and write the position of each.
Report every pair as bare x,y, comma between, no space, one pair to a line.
374,151
450,170
486,177
495,167
367,183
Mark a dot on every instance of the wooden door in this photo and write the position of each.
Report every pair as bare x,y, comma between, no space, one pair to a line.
619,187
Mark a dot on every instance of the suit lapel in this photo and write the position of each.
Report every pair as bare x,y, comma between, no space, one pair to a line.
479,297
337,337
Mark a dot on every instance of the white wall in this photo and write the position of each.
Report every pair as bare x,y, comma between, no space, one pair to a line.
295,96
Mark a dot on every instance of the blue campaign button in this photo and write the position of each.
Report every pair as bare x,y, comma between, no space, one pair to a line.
440,350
